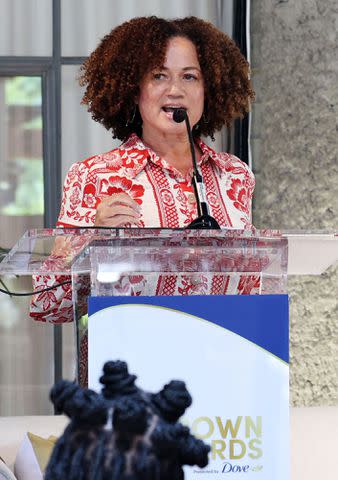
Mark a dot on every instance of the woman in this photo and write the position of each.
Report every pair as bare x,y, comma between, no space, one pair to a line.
134,79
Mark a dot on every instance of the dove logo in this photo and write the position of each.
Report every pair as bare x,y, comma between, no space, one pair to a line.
230,468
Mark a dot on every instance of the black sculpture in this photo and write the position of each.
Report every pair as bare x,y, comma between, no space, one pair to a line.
124,433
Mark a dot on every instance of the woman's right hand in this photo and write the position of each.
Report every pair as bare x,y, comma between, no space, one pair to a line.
117,210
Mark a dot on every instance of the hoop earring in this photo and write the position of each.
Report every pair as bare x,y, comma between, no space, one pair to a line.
130,120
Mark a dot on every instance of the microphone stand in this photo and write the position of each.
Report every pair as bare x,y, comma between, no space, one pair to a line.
204,219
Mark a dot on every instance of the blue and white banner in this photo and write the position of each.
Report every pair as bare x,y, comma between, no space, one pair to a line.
232,352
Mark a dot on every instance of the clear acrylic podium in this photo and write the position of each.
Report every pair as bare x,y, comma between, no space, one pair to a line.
153,263
104,262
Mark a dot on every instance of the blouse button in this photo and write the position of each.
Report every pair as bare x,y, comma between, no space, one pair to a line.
191,198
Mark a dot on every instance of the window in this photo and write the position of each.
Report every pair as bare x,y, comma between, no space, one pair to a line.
21,185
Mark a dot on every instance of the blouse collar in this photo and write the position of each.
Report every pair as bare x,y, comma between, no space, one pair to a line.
141,154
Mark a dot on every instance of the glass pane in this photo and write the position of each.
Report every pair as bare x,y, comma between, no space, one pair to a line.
26,27
81,136
84,23
21,184
26,347
26,355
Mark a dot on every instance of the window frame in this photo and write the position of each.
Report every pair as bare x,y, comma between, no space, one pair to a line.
40,67
241,127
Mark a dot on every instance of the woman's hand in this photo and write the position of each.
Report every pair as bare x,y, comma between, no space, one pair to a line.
117,210
62,247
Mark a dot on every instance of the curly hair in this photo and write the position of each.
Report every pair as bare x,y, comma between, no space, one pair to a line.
113,72
125,433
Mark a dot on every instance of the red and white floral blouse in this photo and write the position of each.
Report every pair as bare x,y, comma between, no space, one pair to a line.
166,198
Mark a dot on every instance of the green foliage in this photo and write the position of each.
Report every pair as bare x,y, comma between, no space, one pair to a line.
23,91
34,124
29,194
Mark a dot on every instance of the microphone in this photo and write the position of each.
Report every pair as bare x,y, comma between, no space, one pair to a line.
204,219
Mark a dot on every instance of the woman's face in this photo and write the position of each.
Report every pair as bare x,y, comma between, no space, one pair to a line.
178,83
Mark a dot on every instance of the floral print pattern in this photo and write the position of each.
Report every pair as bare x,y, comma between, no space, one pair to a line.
166,198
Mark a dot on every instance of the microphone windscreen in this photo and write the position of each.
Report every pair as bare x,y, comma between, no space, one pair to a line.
179,115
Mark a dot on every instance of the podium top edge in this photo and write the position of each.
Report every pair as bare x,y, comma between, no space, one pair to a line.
157,231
